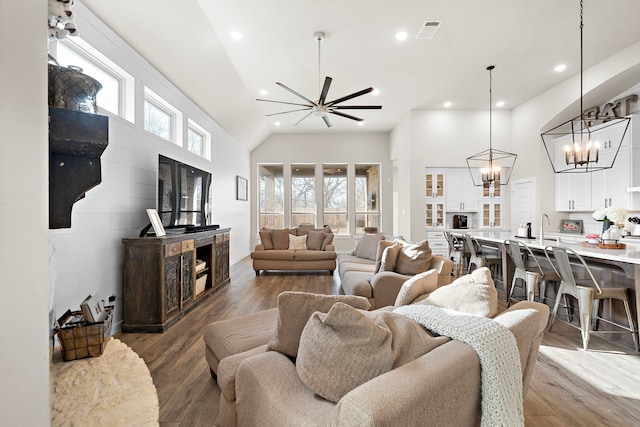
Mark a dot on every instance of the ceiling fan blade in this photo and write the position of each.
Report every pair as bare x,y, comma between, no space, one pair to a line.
283,102
348,97
325,90
290,111
296,93
357,107
348,116
307,115
326,120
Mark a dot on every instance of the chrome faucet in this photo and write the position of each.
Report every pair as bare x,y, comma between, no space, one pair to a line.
542,217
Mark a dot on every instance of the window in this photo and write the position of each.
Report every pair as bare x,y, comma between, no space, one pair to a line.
117,93
162,119
198,140
367,190
271,195
335,198
303,195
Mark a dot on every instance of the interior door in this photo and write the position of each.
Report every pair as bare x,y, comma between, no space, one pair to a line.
523,206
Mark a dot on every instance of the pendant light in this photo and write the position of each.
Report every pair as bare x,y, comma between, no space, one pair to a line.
574,146
495,165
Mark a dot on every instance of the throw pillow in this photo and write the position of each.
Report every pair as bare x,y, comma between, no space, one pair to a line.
328,240
382,245
368,246
414,258
314,240
390,257
297,242
418,285
265,238
473,293
345,348
295,308
280,238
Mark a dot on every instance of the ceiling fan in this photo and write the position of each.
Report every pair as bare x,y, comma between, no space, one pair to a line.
321,107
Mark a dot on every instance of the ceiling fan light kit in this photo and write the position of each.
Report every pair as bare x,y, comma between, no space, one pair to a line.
321,107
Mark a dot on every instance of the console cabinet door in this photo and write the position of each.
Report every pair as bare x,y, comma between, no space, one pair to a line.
171,283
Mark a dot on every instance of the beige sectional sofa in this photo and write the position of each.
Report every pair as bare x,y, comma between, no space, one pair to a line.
364,273
295,249
266,384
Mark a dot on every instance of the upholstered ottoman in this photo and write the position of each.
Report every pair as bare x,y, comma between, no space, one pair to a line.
228,337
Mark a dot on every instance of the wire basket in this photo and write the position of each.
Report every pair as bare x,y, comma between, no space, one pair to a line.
82,340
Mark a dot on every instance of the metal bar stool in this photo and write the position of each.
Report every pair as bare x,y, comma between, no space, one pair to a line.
588,295
534,278
477,257
457,253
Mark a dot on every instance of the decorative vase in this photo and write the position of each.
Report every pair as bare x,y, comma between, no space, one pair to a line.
71,89
606,224
615,233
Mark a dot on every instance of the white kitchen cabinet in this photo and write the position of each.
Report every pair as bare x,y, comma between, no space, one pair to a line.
434,213
438,243
435,183
492,213
573,192
462,195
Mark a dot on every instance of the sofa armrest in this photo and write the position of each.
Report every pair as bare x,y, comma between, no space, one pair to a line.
259,247
269,392
386,286
443,387
330,248
444,267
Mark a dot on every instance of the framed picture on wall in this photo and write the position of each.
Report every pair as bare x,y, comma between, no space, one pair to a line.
242,188
156,223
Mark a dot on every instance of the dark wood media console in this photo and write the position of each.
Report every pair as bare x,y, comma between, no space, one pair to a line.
165,277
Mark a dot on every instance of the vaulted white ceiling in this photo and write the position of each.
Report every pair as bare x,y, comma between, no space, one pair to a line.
189,42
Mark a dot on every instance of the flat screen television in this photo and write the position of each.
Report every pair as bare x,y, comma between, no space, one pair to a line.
183,194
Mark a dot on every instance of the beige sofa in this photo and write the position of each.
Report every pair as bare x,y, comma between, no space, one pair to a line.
261,387
362,273
277,250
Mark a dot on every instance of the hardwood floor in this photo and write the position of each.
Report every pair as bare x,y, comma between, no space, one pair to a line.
570,387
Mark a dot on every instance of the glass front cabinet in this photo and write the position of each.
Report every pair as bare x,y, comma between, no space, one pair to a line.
492,214
434,213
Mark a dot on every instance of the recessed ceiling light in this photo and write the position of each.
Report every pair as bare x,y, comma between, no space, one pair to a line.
277,123
236,35
361,123
263,92
401,35
375,92
500,104
560,68
447,104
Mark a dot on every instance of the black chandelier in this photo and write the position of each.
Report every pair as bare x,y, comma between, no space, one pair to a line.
495,165
573,147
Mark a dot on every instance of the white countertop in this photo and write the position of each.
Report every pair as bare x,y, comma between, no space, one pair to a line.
631,254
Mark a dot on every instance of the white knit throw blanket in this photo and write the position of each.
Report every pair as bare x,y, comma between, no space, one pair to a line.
499,358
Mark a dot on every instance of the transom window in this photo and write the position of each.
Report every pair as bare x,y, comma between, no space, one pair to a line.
161,118
198,140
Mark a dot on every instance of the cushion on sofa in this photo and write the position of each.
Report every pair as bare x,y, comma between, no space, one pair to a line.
274,254
473,293
328,240
265,238
314,240
390,257
295,308
280,238
414,258
367,246
309,255
344,348
297,242
357,282
418,285
382,245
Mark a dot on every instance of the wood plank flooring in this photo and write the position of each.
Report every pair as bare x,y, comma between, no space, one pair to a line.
570,387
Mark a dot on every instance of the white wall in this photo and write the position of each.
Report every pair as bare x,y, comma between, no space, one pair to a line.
322,148
88,256
24,332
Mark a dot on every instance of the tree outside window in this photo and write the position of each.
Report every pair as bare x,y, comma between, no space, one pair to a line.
271,196
335,198
303,195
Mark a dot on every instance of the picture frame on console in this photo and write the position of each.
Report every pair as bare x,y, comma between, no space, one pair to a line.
156,223
241,188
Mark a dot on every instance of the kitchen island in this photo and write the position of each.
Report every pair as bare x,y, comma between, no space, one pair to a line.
617,267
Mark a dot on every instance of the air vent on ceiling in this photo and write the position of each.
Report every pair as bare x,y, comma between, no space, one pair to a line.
428,30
